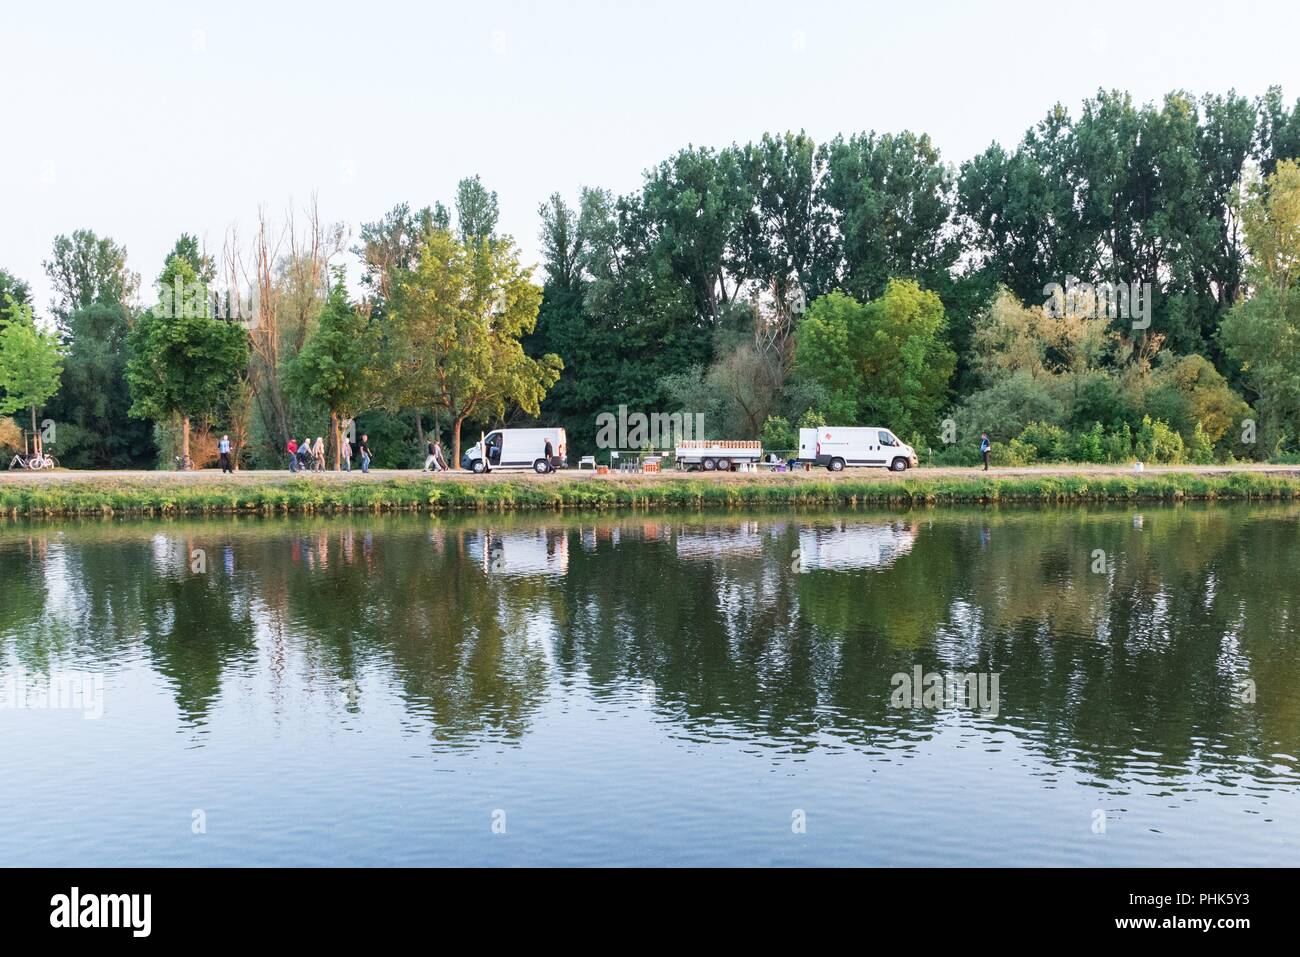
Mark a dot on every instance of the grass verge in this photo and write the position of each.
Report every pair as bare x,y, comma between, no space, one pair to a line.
105,497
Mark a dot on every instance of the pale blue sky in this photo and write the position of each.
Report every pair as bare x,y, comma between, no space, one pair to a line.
148,119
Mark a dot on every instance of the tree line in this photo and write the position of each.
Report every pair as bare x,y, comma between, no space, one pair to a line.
779,283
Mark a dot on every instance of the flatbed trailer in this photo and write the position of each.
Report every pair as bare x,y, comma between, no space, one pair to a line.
717,455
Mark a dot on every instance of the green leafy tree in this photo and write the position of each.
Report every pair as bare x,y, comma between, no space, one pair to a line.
13,292
85,269
338,365
884,361
183,362
1262,333
452,338
31,361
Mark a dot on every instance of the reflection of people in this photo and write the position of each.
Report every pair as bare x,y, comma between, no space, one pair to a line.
985,445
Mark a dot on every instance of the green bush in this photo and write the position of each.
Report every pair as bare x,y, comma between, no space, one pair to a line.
1118,444
1090,446
1200,450
1051,443
1013,453
779,434
1158,443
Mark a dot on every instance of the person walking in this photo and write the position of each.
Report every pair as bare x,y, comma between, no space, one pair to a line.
363,447
439,460
347,454
223,450
293,454
318,453
430,459
985,446
304,455
550,455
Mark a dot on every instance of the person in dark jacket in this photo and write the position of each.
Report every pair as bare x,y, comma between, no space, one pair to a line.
985,446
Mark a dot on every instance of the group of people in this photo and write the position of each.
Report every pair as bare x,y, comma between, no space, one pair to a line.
309,456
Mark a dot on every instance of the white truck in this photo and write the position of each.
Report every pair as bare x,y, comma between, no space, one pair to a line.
838,447
721,456
506,449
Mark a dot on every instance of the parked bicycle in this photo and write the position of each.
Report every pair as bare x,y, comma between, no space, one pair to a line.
33,461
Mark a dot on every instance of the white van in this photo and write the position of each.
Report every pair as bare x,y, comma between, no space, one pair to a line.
517,449
838,446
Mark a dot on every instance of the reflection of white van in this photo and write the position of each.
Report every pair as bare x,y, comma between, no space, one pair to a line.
517,449
838,447
522,554
854,545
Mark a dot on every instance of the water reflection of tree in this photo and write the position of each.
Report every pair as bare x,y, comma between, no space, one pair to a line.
1147,656
410,602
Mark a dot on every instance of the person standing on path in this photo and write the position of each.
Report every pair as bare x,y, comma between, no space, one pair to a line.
318,453
364,448
223,447
293,454
985,446
347,454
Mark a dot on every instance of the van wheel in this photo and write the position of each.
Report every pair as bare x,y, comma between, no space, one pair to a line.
898,465
837,465
708,465
479,467
540,467
724,465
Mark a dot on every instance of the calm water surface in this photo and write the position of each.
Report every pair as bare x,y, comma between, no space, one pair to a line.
663,690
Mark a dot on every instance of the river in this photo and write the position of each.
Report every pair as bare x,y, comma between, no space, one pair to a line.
731,689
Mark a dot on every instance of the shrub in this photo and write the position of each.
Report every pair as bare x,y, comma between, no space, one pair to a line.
1051,442
1090,446
778,434
1014,452
1118,445
1200,450
1157,442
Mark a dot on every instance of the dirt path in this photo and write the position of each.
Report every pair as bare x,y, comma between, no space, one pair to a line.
143,478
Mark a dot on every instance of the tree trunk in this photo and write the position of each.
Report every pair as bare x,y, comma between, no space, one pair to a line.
419,430
455,442
36,436
335,438
185,441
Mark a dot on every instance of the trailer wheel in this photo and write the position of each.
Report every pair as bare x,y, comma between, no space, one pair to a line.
708,465
479,467
724,465
836,465
898,465
540,467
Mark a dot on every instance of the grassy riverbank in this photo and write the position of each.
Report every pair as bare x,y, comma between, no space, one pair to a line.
171,494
